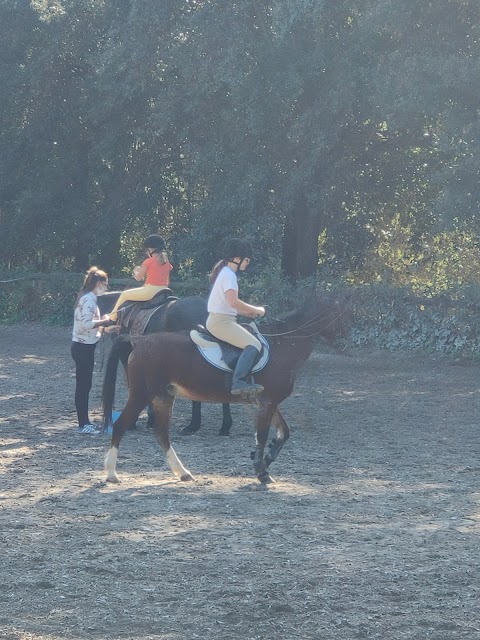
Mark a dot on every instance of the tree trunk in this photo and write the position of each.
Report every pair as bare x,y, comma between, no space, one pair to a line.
300,240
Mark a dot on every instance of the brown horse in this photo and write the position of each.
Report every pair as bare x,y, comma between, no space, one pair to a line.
162,366
180,314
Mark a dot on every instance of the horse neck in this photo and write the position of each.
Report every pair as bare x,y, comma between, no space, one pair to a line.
107,301
296,349
298,333
322,322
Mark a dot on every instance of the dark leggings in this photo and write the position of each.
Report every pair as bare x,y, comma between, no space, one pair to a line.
83,355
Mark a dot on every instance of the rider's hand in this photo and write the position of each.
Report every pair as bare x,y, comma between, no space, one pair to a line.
136,270
259,312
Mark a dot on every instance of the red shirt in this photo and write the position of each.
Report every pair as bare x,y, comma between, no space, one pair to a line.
157,274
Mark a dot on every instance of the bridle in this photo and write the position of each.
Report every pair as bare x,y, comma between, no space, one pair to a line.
306,325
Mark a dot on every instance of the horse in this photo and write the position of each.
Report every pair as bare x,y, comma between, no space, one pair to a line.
165,365
180,314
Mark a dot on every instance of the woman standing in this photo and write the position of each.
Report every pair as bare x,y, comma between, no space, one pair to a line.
223,307
86,333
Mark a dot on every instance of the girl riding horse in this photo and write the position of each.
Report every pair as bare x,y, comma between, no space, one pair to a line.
223,307
155,270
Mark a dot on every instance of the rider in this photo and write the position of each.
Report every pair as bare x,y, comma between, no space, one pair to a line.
85,335
223,307
156,271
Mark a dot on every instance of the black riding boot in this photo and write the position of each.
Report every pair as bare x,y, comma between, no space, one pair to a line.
242,370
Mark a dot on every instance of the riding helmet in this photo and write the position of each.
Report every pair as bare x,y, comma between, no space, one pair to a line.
237,248
155,242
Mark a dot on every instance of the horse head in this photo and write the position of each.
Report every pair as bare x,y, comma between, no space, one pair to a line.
322,317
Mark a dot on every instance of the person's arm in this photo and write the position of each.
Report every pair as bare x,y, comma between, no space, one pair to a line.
139,273
88,310
243,308
102,322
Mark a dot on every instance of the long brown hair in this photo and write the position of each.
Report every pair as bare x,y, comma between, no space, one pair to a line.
161,256
93,276
213,275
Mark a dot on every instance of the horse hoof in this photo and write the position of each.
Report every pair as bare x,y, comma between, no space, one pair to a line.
189,430
224,432
266,478
187,477
113,479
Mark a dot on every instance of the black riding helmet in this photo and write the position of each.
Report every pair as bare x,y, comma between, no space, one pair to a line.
155,242
236,248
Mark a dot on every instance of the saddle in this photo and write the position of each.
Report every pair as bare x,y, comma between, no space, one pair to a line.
224,355
133,317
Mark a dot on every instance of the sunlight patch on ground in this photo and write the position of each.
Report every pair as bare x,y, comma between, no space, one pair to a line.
32,359
13,396
8,442
18,452
466,394
168,526
223,485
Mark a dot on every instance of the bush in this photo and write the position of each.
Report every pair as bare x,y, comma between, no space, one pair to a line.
386,317
48,299
395,318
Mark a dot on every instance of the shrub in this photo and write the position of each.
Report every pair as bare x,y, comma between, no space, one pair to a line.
395,318
48,299
385,316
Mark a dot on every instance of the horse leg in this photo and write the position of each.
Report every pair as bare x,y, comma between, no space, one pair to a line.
283,433
124,360
128,417
227,421
162,409
150,417
196,421
264,418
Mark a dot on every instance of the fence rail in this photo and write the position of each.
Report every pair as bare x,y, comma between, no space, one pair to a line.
63,276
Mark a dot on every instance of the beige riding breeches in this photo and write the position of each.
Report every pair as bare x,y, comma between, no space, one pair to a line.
139,294
225,327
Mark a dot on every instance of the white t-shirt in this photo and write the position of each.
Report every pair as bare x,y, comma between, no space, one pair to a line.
85,313
217,302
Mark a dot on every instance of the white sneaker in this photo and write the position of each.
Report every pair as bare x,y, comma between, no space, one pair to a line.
89,428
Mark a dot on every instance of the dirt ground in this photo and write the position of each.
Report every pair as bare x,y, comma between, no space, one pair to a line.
371,530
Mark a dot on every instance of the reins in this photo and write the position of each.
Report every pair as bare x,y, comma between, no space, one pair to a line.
306,324
103,337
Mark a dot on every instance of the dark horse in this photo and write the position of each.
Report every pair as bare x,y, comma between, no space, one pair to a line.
166,365
180,314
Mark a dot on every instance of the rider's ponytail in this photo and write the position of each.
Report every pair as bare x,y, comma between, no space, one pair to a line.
161,256
216,270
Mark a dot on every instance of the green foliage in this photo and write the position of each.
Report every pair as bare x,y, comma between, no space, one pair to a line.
387,317
430,265
42,300
356,124
396,319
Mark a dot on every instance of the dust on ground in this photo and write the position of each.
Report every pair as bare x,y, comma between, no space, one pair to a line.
371,530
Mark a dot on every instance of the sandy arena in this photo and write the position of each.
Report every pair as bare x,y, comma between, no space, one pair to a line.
372,529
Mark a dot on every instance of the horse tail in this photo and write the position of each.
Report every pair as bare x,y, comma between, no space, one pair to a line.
110,379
